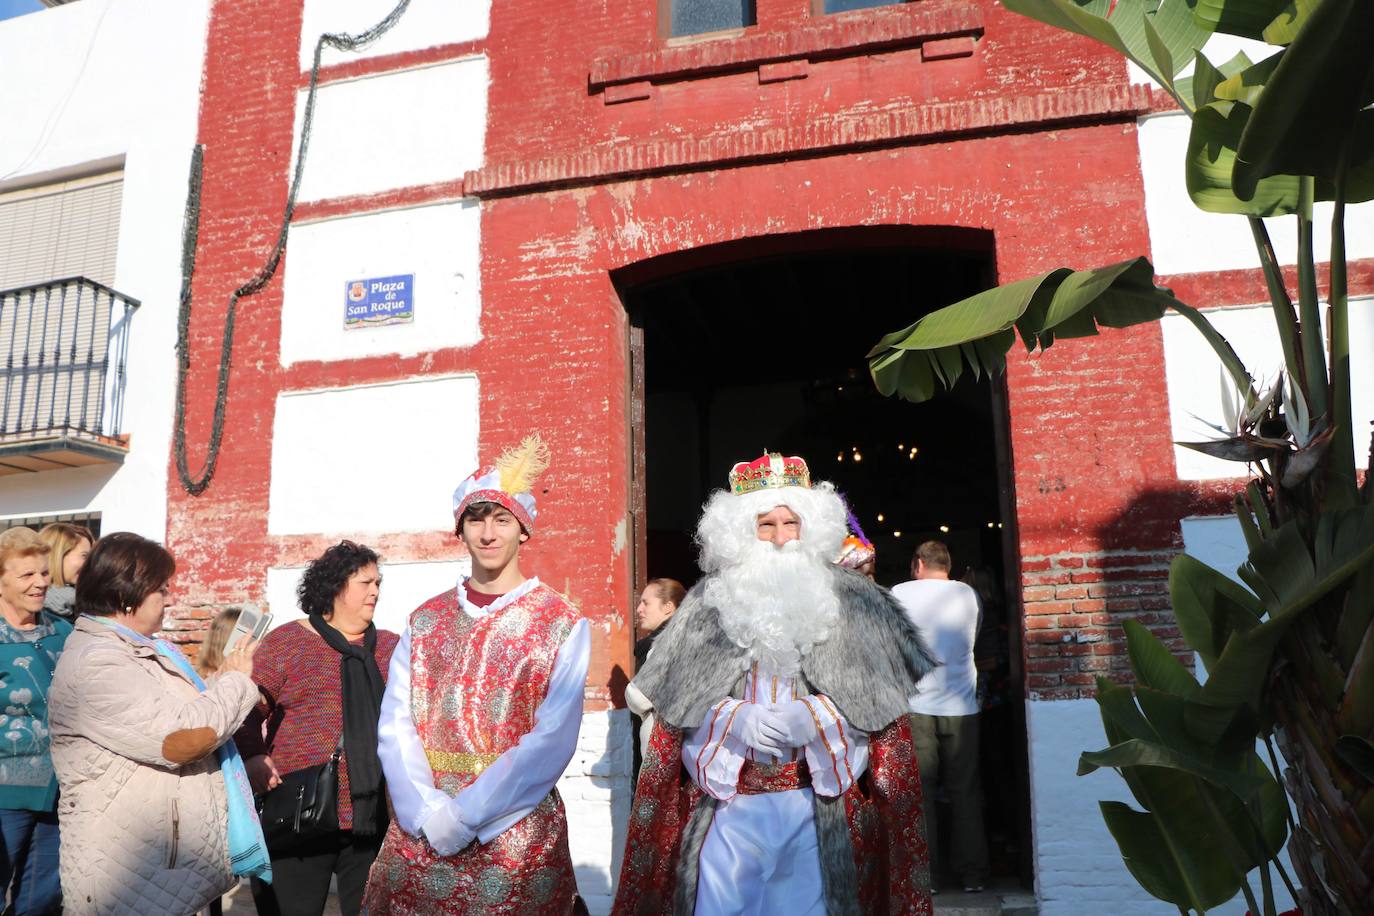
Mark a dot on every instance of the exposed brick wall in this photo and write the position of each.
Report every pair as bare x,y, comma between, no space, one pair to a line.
186,625
1075,605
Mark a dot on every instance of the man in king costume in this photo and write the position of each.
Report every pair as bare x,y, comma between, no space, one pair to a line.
480,721
780,776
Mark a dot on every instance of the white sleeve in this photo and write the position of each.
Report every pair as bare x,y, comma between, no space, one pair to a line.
713,754
838,755
511,787
409,779
636,701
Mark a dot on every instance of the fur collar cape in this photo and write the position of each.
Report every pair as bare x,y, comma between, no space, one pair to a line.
868,666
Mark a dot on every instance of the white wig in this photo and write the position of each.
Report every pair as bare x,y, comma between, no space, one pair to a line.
777,602
728,525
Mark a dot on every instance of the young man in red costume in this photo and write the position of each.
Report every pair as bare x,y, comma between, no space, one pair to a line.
479,719
780,777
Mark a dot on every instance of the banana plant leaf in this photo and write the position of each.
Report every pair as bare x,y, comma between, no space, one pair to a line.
1172,847
1210,163
1178,867
1247,85
978,331
1288,579
1357,752
1154,665
1202,86
1286,24
1305,115
1209,607
1247,18
1220,121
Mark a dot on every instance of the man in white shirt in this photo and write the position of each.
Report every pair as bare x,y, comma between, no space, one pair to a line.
944,709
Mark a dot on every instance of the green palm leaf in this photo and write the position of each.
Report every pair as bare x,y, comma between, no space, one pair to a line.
978,331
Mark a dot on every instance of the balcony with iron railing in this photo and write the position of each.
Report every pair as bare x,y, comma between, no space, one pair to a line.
63,349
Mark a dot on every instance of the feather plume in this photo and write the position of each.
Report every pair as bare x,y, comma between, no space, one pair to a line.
520,466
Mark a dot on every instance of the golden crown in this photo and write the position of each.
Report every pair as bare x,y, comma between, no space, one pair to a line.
772,471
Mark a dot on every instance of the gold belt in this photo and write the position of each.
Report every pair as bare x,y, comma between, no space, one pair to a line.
449,762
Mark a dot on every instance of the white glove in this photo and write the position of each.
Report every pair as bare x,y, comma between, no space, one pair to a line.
799,721
761,729
445,830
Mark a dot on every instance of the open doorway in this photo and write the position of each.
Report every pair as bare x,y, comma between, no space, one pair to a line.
761,344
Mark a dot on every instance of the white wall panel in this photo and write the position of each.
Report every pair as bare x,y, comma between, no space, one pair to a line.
395,130
438,244
424,24
1193,375
374,458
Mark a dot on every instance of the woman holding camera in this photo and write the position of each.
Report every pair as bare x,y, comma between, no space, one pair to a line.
155,811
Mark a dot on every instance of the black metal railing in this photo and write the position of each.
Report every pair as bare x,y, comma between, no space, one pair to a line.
63,347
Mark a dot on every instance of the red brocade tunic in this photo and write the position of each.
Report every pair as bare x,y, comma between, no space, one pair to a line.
476,684
884,814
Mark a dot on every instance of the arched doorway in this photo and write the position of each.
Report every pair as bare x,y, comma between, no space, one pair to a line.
761,343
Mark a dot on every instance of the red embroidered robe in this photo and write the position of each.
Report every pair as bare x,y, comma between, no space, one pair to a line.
475,687
884,810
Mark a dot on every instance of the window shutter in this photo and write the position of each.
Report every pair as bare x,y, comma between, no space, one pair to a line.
64,229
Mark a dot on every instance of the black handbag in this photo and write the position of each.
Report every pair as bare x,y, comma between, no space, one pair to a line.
303,808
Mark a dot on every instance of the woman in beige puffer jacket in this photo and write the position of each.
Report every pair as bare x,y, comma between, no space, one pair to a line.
143,807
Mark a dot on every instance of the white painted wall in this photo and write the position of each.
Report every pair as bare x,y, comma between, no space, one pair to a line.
596,793
332,450
93,83
395,130
437,243
1193,375
425,24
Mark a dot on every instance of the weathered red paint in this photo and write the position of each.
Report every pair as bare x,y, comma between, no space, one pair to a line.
1028,136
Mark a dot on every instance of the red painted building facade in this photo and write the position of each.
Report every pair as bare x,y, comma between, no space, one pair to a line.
612,158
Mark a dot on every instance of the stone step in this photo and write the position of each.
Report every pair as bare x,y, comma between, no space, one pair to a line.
991,902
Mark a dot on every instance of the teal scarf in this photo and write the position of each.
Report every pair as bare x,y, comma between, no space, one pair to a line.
247,848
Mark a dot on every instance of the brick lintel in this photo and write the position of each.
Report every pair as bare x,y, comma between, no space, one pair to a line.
817,137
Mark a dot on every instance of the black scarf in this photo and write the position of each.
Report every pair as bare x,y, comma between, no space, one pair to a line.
362,707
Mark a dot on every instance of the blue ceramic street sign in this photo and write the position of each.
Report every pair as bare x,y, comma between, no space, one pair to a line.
378,301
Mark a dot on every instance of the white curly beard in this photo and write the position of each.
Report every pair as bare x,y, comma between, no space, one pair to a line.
775,602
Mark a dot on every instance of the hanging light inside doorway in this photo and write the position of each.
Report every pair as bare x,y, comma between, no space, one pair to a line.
839,456
944,529
880,516
896,534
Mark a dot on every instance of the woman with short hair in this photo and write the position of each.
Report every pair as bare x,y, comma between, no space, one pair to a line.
69,545
31,641
155,809
321,680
